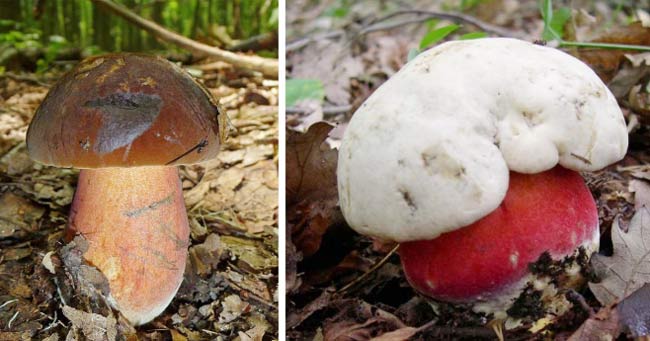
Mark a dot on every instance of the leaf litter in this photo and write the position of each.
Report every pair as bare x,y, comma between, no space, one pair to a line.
48,292
324,255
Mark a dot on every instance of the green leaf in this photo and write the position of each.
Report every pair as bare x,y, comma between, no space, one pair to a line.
301,89
437,35
554,21
414,52
473,35
560,18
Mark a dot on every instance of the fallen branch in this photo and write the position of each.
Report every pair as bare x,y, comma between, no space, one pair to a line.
268,67
259,42
451,16
421,15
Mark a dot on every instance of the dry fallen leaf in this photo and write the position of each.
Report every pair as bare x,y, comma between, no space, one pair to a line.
634,313
311,165
641,191
337,67
233,307
205,256
628,268
606,62
312,195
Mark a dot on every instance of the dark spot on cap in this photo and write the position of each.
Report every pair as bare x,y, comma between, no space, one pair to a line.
125,116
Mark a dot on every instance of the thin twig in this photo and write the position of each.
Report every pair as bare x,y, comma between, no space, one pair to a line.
371,270
605,46
302,42
7,303
25,78
251,295
13,318
330,110
451,16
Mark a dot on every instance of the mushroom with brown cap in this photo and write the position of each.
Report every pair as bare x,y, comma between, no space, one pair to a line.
468,157
127,120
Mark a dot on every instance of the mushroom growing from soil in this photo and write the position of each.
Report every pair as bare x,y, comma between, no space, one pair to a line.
127,120
469,157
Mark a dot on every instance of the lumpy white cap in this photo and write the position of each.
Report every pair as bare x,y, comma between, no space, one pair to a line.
430,151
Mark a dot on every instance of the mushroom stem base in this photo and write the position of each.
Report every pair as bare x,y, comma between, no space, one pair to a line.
135,222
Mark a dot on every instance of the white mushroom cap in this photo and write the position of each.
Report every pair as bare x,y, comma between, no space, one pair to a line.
430,151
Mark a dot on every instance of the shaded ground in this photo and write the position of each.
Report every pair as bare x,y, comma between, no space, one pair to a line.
230,286
343,286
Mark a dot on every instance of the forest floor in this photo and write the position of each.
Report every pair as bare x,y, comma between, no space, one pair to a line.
229,290
344,286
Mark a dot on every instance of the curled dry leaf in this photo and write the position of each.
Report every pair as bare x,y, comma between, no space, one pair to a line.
628,268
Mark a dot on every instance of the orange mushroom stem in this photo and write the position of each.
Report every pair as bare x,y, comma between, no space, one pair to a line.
136,226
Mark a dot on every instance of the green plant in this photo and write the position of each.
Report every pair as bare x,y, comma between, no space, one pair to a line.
554,20
435,35
302,89
56,43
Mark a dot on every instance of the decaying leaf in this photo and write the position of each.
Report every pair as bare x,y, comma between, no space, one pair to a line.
629,267
94,326
602,326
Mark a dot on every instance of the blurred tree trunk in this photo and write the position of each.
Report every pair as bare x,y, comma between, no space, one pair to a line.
157,16
102,30
222,13
49,20
236,19
210,12
9,10
71,21
196,22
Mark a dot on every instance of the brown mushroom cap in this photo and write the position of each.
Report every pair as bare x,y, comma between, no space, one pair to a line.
124,110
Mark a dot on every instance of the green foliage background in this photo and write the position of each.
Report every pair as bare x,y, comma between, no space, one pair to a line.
51,26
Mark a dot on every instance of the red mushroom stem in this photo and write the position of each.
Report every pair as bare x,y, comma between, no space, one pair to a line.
135,222
551,212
